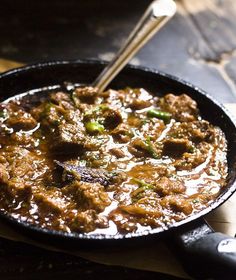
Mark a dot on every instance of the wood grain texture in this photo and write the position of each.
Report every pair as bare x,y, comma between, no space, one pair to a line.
214,26
213,21
197,45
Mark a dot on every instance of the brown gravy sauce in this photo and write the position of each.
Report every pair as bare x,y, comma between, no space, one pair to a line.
117,162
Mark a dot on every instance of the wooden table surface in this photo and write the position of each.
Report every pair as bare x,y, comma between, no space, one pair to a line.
198,45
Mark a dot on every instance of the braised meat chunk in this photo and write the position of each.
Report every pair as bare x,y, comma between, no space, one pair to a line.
87,195
68,138
176,147
183,108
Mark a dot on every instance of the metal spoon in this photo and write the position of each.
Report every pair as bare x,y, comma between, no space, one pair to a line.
156,16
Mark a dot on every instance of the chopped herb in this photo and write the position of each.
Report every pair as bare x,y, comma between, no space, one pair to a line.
150,148
155,113
75,99
53,113
82,163
94,127
103,107
142,183
142,187
191,149
47,109
3,114
145,121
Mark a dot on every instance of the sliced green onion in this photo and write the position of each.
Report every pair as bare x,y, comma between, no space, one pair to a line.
191,149
94,127
150,148
142,187
155,113
3,113
103,107
47,109
47,113
75,99
143,184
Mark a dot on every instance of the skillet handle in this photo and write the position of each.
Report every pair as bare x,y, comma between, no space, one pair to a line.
207,254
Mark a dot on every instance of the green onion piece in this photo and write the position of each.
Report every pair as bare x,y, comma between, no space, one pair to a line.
3,114
46,110
94,127
154,113
75,99
142,187
143,184
150,148
103,107
191,149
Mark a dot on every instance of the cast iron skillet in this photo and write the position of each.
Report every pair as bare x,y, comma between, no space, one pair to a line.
198,243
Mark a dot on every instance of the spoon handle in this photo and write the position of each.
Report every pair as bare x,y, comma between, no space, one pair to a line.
156,15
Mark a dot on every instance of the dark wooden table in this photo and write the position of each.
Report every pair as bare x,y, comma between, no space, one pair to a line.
198,45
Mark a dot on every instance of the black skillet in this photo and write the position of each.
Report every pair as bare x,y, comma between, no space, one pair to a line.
204,252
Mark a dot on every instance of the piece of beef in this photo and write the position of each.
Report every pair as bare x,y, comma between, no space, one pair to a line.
59,96
202,131
4,175
88,195
62,99
152,128
21,120
146,212
183,108
48,114
119,153
25,169
68,139
88,221
49,203
165,186
112,118
138,148
196,131
122,133
137,99
189,161
175,147
85,95
177,203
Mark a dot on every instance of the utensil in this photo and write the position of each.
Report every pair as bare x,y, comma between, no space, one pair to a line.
207,253
156,16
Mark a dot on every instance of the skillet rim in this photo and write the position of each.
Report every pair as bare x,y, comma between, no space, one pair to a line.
227,192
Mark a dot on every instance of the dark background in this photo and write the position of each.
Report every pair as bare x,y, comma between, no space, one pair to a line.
197,45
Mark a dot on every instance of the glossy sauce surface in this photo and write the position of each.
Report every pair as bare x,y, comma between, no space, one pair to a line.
115,162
